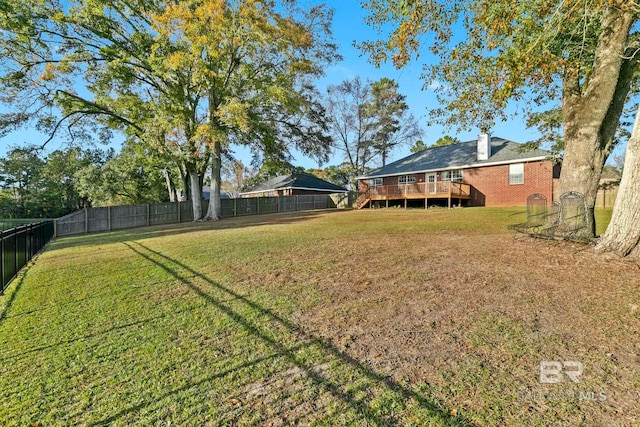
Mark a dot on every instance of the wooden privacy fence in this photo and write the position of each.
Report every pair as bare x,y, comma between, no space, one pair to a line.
95,220
605,198
18,245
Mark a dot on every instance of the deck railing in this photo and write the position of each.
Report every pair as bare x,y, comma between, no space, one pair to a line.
434,189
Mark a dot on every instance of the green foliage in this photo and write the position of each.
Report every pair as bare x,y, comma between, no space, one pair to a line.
8,206
131,177
21,173
185,78
549,125
341,174
445,140
45,186
72,179
393,123
490,52
418,146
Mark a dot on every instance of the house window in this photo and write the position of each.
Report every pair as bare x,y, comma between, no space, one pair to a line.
516,173
406,179
455,176
375,182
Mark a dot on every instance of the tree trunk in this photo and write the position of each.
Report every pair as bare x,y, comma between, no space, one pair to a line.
186,190
591,110
215,206
170,188
623,233
581,167
196,195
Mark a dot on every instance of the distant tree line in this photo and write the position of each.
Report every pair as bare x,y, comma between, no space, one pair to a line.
34,185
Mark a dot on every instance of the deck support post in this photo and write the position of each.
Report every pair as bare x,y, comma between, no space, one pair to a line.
426,202
387,200
405,203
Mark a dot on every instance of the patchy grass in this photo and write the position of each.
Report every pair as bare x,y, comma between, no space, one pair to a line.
336,318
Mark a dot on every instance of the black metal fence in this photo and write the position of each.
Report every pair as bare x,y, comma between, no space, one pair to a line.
18,245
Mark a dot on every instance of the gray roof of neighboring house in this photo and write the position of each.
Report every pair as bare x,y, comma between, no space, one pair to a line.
459,155
298,180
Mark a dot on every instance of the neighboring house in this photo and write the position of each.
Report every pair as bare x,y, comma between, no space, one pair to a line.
610,177
298,183
206,193
488,171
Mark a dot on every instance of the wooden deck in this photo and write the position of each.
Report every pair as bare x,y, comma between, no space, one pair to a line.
424,190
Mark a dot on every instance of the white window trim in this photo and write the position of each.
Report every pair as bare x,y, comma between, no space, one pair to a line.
410,179
451,172
516,178
375,182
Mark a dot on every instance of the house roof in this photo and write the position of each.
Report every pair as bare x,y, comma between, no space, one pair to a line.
459,156
297,181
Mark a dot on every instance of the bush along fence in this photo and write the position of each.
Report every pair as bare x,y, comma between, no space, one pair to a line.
95,220
18,245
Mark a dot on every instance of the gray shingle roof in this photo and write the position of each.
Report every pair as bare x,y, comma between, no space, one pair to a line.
299,180
462,154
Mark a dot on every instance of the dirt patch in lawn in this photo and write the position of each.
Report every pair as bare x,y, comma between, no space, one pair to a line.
470,317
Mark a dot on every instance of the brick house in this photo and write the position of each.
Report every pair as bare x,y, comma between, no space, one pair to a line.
489,171
295,184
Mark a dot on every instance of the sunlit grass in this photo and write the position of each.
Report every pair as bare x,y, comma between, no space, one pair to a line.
245,322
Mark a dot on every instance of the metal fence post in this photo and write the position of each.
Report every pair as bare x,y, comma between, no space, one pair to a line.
148,214
2,262
30,240
108,218
15,250
235,206
296,203
178,203
258,205
86,220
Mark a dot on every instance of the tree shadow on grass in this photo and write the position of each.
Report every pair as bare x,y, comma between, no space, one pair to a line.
111,330
12,296
332,383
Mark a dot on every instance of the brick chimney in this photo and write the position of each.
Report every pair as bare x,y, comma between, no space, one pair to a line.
484,146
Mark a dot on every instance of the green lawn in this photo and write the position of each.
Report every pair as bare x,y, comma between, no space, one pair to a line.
333,318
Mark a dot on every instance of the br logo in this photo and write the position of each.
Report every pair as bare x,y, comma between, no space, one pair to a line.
552,371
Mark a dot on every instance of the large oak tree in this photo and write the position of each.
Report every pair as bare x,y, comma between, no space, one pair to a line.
581,54
185,77
253,64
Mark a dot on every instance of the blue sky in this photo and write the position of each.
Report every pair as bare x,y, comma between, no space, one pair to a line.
349,26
